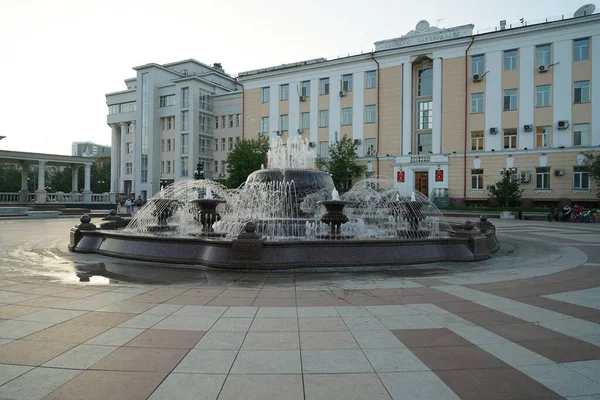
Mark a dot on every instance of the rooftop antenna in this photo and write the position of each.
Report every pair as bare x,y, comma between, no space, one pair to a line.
522,21
582,11
438,22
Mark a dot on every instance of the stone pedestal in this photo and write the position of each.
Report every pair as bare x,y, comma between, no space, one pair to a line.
40,196
76,234
477,241
246,250
24,196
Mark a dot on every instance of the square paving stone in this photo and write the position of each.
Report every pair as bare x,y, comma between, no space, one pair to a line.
141,359
322,324
363,323
68,332
115,336
262,387
189,387
107,319
142,321
274,325
240,312
166,339
10,372
214,340
13,329
409,322
317,312
277,312
563,350
416,386
52,315
267,362
163,309
377,339
334,362
26,352
231,301
381,311
394,360
456,357
232,324
80,357
327,340
200,311
271,341
37,383
589,369
344,387
16,310
113,385
430,337
514,354
182,323
562,380
207,362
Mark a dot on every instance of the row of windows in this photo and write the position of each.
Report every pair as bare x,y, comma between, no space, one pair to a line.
226,143
205,99
304,88
228,121
543,137
166,164
323,121
543,95
167,123
122,108
369,148
170,145
166,101
223,166
543,56
581,178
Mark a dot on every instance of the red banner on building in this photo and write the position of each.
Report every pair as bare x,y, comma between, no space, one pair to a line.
439,175
400,176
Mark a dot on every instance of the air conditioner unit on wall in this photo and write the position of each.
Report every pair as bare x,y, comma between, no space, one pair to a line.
493,131
300,130
342,93
477,77
527,128
525,177
543,68
563,124
312,145
302,98
559,172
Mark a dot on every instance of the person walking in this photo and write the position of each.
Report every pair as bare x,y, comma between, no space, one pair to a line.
128,206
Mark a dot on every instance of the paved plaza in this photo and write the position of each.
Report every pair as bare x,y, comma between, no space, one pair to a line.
524,324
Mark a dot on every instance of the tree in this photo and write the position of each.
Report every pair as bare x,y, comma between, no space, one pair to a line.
341,163
592,165
10,178
246,157
507,191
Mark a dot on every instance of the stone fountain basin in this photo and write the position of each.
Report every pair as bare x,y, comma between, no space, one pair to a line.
251,253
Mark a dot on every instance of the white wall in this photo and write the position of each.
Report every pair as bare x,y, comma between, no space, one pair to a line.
562,88
493,99
527,72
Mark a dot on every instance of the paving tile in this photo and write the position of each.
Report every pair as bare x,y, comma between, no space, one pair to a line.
429,337
282,293
377,339
456,357
271,341
317,324
563,350
267,362
127,306
11,311
182,323
589,369
315,312
334,362
13,329
344,387
142,321
81,357
37,383
272,302
141,359
114,385
478,335
349,311
231,301
107,319
152,298
214,340
494,384
363,323
10,372
262,387
25,352
562,380
68,332
207,362
524,332
416,386
240,312
277,312
96,302
44,301
115,336
515,355
392,310
189,387
51,315
232,325
200,311
394,360
163,309
239,293
166,339
274,325
489,318
327,340
190,300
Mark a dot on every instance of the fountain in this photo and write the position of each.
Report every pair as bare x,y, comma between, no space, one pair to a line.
288,215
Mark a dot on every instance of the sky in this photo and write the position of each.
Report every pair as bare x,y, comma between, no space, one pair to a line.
58,58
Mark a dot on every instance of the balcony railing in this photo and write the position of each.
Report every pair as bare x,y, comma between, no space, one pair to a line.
70,198
420,159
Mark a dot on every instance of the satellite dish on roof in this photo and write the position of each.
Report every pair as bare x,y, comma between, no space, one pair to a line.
582,11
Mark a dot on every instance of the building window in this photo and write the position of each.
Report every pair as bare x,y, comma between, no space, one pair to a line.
542,178
184,166
131,128
425,115
477,65
323,149
323,86
163,124
370,79
370,147
237,139
184,143
284,123
223,121
305,89
582,92
205,145
223,166
168,167
205,100
347,116
113,109
170,123
581,178
424,143
581,49
238,120
216,144
543,55
162,167
542,96
223,144
216,167
129,147
510,139
264,124
168,144
581,135
265,94
185,97
230,143
347,83
370,114
128,168
477,179
510,99
166,101
477,141
425,82
284,92
543,136
305,121
128,107
162,145
185,124
510,60
323,118
205,122
231,121
476,103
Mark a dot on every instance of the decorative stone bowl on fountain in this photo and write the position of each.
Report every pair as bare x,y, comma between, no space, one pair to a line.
334,216
207,213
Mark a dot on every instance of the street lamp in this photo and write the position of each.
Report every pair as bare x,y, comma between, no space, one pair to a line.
199,172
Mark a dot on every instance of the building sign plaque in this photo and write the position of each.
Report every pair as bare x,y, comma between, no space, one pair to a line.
424,33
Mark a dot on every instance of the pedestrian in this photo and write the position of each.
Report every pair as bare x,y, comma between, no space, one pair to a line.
128,206
139,202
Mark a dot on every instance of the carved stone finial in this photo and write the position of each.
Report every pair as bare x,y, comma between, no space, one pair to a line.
468,226
85,219
250,227
483,218
113,212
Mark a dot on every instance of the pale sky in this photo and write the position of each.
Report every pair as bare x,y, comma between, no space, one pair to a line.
58,58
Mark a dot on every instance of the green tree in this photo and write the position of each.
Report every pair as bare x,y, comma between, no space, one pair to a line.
246,157
342,164
10,178
592,165
507,191
100,176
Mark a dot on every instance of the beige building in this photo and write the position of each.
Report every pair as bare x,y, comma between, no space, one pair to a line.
446,111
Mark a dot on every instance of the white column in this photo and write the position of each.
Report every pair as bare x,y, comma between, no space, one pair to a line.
595,140
314,111
40,193
562,106
335,110
114,158
274,112
293,108
358,107
74,178
87,193
121,180
493,100
526,96
436,137
406,108
24,192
